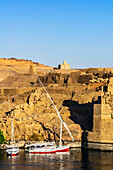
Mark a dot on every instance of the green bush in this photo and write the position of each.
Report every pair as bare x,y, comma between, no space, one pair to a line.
2,139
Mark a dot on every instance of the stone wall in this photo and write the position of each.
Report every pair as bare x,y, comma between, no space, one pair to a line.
110,86
102,132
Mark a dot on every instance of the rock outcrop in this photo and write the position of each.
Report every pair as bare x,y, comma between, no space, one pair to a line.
83,98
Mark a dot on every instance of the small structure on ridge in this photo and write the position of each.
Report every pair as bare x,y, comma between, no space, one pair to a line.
64,65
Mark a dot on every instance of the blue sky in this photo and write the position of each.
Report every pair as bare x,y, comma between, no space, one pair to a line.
50,31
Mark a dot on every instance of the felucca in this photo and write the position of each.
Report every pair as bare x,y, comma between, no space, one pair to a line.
49,147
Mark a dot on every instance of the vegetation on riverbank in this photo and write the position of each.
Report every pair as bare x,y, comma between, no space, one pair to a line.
2,138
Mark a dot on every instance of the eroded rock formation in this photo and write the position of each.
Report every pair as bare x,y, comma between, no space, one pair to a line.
83,98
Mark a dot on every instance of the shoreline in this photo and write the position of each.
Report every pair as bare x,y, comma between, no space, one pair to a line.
75,144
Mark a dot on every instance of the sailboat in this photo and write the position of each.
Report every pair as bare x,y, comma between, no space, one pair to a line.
12,149
49,147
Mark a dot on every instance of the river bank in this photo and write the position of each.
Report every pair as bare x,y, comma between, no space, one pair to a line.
73,145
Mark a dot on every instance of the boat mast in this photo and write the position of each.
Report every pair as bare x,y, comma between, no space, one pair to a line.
12,129
54,107
61,134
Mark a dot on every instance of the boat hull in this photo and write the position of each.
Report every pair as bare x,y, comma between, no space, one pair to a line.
12,154
12,151
49,151
62,149
42,152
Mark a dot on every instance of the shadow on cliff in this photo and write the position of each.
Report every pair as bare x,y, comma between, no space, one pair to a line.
81,114
48,132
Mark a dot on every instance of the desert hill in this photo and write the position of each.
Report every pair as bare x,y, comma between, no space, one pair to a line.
13,66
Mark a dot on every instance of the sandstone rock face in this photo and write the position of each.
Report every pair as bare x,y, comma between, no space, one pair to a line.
84,99
13,66
85,78
37,116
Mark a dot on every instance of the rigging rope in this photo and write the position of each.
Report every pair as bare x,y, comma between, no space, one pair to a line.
54,106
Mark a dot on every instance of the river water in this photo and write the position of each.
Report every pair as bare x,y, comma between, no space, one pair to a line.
75,159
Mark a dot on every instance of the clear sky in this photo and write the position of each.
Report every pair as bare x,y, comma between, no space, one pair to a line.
50,31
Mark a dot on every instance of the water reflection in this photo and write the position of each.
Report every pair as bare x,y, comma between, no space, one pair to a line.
75,159
13,162
50,161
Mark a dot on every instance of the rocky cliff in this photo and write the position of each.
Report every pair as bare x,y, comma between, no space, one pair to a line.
75,94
